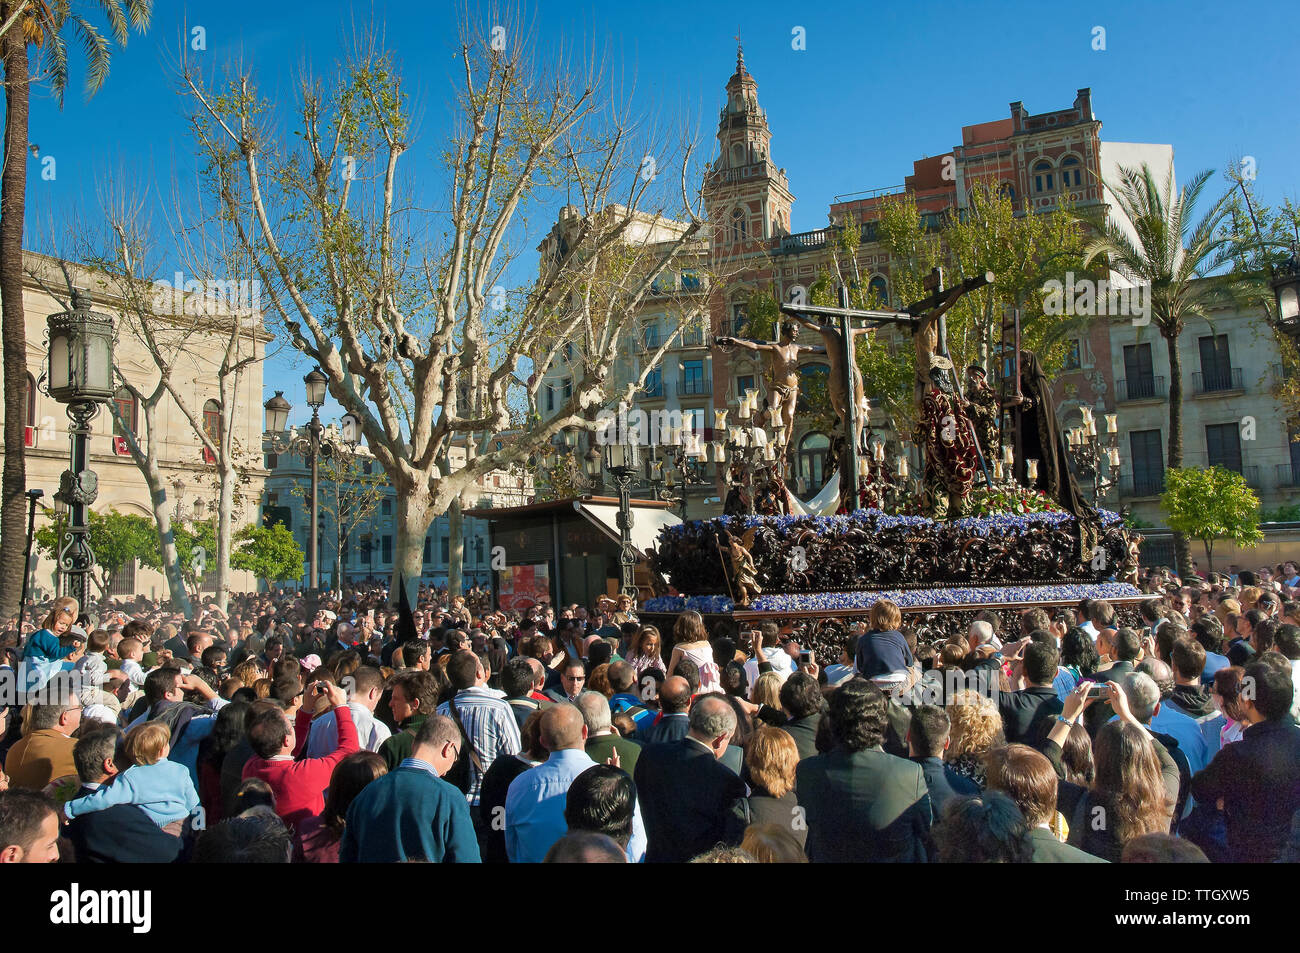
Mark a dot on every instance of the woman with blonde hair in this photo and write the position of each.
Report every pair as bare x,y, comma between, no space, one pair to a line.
976,728
771,758
691,640
44,654
767,690
647,651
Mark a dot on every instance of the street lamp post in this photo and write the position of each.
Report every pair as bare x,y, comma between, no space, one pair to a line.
80,375
312,447
621,460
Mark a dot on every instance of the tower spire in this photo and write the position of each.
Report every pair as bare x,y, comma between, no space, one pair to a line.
740,53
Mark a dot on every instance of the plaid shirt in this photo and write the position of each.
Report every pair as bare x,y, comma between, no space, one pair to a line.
491,728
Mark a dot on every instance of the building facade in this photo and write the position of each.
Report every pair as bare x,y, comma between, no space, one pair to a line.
187,472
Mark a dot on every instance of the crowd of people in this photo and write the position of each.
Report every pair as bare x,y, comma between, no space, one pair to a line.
344,730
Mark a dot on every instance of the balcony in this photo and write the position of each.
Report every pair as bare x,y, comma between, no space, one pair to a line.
1141,388
806,241
695,386
1217,381
1142,484
692,338
1252,477
1285,476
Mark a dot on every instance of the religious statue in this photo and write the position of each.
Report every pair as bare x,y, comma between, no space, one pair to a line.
780,372
951,456
772,498
982,407
837,380
1040,438
744,574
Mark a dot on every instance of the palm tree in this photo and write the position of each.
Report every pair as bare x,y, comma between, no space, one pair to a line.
43,24
1176,258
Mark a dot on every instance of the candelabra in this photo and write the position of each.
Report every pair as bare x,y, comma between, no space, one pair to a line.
747,459
1087,453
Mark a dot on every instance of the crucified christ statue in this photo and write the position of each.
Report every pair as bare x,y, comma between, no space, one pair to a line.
781,371
838,380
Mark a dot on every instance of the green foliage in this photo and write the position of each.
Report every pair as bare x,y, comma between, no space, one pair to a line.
271,553
117,539
762,316
1211,504
1287,513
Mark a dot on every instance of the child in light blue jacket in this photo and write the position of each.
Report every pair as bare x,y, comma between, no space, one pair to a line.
162,789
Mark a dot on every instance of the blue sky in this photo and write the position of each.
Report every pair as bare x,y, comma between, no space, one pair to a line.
877,86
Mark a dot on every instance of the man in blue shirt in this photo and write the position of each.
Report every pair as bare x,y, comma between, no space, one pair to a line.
1170,721
535,802
411,813
622,678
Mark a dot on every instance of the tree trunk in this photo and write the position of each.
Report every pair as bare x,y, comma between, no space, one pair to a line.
225,510
455,549
1182,546
414,515
13,320
146,459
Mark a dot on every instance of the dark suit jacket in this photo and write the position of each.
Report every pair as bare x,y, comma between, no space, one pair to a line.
601,747
1258,778
668,728
1026,712
804,733
863,806
1100,712
1049,850
943,783
120,835
688,801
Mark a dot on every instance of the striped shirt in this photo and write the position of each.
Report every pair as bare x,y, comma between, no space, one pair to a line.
490,725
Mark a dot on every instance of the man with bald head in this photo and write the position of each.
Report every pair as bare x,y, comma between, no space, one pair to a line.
673,722
690,799
534,818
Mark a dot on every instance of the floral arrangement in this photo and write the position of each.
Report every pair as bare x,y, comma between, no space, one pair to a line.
1010,498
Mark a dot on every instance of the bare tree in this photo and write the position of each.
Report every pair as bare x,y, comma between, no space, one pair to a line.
403,307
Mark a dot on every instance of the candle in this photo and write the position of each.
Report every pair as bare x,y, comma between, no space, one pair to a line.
778,436
997,470
657,470
879,452
1031,469
742,438
670,480
743,412
719,420
760,437
1114,456
864,468
902,467
1112,423
719,452
751,398
1087,414
674,435
769,452
1092,426
1007,458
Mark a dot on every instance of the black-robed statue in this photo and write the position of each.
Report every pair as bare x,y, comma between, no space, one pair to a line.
1041,439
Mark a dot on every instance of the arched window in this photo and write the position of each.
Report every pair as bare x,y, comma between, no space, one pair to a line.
211,427
126,408
1071,172
1043,177
737,155
738,225
813,449
1008,190
878,288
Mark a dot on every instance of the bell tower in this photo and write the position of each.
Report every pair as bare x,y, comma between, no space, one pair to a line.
747,197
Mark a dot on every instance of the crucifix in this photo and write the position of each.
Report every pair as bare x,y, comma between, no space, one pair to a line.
925,319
